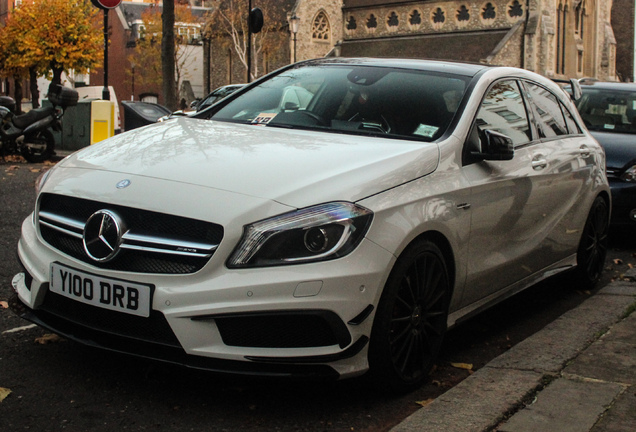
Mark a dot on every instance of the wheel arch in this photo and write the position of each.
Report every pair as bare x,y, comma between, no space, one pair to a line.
442,242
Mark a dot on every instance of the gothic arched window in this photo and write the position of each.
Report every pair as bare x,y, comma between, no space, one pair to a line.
579,17
562,21
320,29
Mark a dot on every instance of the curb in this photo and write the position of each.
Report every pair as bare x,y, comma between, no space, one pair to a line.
504,387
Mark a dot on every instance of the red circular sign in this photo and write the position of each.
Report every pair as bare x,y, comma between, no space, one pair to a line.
106,4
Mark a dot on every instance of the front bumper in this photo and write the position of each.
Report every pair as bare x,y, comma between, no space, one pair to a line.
299,321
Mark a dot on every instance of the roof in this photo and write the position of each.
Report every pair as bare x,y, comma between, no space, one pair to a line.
604,85
469,46
452,67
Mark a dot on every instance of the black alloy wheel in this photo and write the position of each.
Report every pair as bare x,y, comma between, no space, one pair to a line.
411,319
593,246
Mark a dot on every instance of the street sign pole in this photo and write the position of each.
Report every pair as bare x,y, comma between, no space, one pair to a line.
105,6
105,91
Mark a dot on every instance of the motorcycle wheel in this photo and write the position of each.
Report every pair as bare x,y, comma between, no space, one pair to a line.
38,147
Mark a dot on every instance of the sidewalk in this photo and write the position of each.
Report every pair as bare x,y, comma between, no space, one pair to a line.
578,374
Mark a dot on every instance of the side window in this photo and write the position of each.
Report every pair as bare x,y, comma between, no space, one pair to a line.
573,127
550,120
503,111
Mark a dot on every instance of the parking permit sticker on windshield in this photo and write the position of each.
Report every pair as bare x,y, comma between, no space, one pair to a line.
263,118
426,130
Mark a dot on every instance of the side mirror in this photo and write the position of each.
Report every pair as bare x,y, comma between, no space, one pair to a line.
492,146
576,89
571,86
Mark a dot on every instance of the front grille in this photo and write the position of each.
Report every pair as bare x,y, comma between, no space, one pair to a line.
612,172
284,329
154,329
153,242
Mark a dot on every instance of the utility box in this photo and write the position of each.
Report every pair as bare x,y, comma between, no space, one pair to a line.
86,123
76,127
102,120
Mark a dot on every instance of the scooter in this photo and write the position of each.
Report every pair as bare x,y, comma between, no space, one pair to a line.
28,134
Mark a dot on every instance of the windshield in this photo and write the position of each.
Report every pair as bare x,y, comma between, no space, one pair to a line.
352,99
608,110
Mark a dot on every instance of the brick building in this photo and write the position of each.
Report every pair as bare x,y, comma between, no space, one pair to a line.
125,27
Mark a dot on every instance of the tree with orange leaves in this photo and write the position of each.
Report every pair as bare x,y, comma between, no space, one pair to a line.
49,37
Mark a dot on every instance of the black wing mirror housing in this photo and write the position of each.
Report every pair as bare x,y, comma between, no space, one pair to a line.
494,146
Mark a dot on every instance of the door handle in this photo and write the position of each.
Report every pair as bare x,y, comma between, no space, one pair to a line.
539,162
584,151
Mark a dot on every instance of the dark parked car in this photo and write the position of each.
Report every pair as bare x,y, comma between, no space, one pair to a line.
138,114
217,95
609,112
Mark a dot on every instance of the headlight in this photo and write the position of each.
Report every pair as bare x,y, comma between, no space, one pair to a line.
629,175
323,232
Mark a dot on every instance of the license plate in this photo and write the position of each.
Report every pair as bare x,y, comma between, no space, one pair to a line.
114,294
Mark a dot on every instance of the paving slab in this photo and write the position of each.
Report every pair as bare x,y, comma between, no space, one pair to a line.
476,404
565,406
560,341
612,357
622,415
619,288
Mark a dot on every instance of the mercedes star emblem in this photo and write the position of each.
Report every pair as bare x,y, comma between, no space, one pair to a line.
102,235
123,184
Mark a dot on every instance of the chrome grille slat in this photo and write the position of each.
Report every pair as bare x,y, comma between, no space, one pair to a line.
153,242
61,229
176,244
164,251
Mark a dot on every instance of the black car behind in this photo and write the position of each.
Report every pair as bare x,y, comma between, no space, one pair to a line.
609,112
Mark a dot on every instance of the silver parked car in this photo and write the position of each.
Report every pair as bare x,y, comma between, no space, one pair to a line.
332,219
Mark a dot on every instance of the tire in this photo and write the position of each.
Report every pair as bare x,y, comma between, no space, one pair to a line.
592,250
38,147
411,319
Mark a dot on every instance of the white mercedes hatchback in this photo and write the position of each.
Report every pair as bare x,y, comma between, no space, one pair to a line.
332,218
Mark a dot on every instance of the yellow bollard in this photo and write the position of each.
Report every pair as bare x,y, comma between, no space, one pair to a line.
102,120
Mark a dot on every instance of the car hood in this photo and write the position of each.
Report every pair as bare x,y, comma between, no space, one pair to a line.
293,167
620,148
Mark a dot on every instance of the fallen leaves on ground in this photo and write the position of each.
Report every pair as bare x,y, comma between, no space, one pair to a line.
4,304
48,338
467,366
424,402
4,392
618,261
